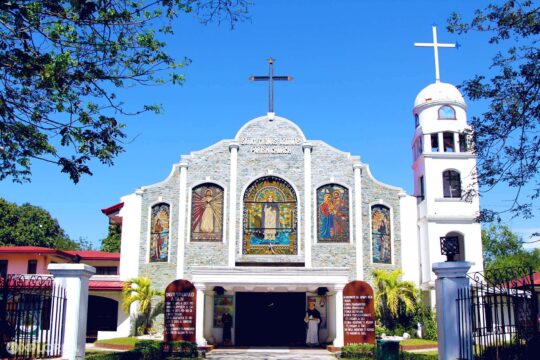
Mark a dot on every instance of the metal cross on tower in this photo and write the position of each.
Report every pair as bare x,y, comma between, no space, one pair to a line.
436,47
270,78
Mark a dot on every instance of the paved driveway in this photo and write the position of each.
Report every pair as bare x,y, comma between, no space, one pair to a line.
270,354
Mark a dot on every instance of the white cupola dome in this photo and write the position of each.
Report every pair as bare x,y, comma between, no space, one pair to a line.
437,94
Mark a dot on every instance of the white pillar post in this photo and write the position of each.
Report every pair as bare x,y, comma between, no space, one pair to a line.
307,203
233,148
74,279
182,203
358,221
451,277
338,340
456,142
441,141
199,314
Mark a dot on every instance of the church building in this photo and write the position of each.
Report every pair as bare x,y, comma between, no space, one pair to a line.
267,222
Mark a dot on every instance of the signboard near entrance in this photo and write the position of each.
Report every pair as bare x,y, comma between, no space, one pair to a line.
358,313
180,301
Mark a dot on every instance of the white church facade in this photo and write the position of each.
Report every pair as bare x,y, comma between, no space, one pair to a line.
268,222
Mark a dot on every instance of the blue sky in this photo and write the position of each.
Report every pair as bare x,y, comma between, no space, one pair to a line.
356,74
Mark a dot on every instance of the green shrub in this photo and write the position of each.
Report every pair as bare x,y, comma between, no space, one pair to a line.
430,327
152,350
181,349
362,351
417,356
149,349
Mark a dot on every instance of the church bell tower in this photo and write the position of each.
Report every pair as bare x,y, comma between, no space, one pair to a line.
445,183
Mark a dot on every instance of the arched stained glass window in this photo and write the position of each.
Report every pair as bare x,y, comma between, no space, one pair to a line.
446,112
159,233
270,218
207,213
332,213
381,231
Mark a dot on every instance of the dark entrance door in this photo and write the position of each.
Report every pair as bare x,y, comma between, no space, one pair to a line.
270,319
102,316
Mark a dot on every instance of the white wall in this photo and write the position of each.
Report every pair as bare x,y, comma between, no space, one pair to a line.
410,252
131,232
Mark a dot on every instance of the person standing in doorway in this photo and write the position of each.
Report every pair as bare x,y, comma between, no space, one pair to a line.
312,319
227,321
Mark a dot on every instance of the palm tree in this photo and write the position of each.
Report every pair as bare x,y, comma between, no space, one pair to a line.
140,290
393,297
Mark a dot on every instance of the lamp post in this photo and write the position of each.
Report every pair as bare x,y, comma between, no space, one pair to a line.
450,247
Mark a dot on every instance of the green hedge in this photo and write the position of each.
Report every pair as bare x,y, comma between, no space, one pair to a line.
417,356
152,350
363,351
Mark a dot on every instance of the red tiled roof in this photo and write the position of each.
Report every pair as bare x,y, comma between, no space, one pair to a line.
94,255
101,285
33,250
71,254
526,280
113,211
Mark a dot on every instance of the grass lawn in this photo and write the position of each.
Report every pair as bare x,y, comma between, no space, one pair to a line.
418,342
120,341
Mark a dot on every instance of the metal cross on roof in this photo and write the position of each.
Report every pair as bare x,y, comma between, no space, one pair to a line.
270,78
436,45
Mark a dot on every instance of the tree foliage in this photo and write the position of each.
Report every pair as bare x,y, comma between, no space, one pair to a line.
112,242
507,135
139,291
62,62
29,225
393,297
504,249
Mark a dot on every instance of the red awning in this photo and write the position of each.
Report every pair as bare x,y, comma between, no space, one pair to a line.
102,285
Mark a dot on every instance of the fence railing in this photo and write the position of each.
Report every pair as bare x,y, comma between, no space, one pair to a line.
32,313
498,315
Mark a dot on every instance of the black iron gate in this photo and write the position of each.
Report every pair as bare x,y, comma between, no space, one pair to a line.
32,310
498,316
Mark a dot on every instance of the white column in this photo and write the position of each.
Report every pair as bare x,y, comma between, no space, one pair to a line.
456,142
74,279
199,322
441,141
358,221
338,340
307,203
233,148
451,276
182,203
131,239
426,143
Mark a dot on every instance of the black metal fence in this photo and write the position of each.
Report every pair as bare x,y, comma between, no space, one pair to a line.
498,316
32,313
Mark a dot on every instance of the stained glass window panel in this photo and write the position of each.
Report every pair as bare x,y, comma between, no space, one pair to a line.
333,213
270,218
381,234
159,233
207,213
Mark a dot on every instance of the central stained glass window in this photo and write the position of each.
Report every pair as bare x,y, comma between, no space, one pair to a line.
270,218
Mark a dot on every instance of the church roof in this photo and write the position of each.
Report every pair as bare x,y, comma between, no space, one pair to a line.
439,93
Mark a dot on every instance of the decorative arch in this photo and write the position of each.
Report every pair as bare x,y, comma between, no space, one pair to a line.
446,112
270,218
381,234
451,184
333,216
207,203
159,233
